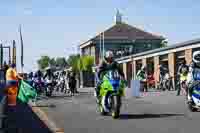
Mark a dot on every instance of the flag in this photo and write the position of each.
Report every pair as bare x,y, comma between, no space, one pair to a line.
22,47
26,92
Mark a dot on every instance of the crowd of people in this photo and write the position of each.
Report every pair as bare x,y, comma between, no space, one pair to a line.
187,76
12,78
163,80
58,80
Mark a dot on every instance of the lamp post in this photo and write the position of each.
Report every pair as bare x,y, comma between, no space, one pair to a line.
1,45
100,55
103,45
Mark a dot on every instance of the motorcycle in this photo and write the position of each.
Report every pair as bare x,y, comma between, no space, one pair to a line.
61,84
194,105
151,81
38,85
166,82
49,87
111,91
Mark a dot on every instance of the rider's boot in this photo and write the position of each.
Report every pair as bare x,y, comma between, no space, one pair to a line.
189,95
97,93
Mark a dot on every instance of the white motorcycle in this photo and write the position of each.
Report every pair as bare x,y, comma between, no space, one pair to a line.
61,85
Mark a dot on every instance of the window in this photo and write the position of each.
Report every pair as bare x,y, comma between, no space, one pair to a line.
148,45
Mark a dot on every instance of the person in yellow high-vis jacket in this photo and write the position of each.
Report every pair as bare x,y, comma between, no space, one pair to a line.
12,85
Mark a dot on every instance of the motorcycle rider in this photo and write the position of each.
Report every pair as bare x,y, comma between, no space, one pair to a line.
72,83
30,78
193,78
182,73
49,74
62,80
142,76
108,63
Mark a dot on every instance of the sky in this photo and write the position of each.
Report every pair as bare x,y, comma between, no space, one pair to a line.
57,27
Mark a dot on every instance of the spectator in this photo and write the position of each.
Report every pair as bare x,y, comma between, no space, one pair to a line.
12,79
72,83
5,70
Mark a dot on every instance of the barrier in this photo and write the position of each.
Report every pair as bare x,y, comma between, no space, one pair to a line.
134,90
2,112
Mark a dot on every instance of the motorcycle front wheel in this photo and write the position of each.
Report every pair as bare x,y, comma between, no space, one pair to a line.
191,108
116,104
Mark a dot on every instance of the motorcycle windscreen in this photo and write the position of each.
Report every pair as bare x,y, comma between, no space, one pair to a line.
196,94
196,75
114,79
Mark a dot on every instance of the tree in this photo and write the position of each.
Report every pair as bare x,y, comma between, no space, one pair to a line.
164,43
87,63
43,62
61,62
74,62
81,63
52,62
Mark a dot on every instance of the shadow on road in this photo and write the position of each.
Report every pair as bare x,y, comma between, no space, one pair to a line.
60,96
146,116
21,119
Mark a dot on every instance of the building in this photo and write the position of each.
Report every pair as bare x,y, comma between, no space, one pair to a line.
170,56
123,39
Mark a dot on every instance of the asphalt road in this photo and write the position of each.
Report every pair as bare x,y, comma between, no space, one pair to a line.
166,113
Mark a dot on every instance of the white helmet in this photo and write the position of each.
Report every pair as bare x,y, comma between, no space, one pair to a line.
143,68
109,54
196,58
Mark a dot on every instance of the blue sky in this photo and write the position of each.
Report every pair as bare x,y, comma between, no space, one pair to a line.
56,27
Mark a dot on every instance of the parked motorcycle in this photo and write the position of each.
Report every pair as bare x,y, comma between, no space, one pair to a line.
111,91
166,83
151,81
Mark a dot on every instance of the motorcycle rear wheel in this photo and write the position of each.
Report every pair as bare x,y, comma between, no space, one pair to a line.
191,108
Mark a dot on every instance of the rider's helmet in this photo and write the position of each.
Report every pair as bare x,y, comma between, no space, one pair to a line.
109,56
35,75
183,62
196,58
39,73
30,75
63,73
143,68
13,65
48,69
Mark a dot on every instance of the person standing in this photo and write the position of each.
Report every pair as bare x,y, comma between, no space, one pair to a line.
182,74
6,67
72,83
12,79
142,77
